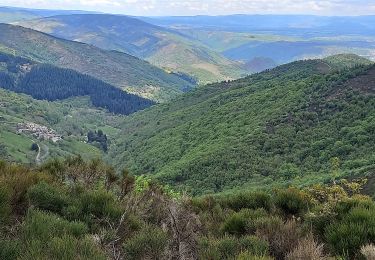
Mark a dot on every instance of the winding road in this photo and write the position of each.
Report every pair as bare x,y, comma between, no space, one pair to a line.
39,158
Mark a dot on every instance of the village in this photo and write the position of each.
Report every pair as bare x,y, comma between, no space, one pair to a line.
39,131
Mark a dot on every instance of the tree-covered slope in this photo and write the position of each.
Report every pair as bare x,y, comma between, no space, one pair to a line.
116,68
165,48
303,122
46,82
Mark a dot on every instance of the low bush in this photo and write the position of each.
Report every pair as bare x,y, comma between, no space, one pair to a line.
17,180
47,197
307,248
63,248
149,243
346,237
9,249
229,246
248,200
248,256
5,207
44,226
243,222
291,201
282,237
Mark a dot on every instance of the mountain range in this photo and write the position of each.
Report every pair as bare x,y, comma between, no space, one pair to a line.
119,69
165,48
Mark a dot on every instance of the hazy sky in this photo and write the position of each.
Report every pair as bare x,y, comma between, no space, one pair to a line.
210,7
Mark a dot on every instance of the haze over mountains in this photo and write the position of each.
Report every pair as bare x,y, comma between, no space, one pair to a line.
165,48
217,48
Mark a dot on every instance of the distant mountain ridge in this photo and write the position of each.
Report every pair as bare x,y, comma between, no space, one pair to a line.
296,24
163,47
10,14
119,69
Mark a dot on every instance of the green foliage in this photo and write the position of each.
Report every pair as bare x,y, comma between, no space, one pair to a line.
247,200
243,222
44,226
47,197
149,243
57,212
5,207
9,249
248,256
292,201
227,247
277,128
354,230
99,204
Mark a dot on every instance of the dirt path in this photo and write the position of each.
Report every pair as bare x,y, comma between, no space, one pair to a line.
39,158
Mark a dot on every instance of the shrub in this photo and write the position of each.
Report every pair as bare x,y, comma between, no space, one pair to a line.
242,222
235,224
207,250
254,245
9,250
346,237
47,197
62,248
148,243
44,226
98,204
291,201
282,237
307,248
229,247
250,200
248,256
17,180
5,208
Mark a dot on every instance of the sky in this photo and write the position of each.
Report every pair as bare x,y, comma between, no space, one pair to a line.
205,7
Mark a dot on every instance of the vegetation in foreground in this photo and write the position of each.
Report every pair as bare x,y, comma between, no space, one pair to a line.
74,209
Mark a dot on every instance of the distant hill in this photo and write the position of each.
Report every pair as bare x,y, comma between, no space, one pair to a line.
279,127
165,48
116,68
259,64
14,14
282,38
46,82
308,25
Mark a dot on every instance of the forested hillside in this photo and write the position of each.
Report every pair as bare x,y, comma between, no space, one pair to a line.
115,68
46,82
165,48
301,123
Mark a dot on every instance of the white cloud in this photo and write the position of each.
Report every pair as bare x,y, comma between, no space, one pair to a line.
210,7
